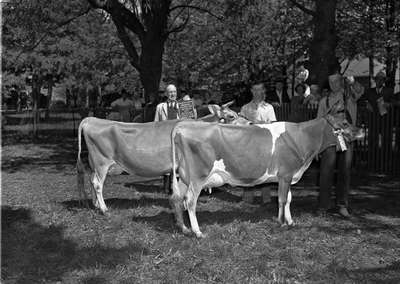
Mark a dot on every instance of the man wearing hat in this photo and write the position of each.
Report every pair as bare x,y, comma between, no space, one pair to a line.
380,97
346,92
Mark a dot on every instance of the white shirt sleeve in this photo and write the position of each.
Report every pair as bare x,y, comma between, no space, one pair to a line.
271,113
157,116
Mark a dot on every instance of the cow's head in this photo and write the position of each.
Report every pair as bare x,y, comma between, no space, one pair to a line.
336,118
228,116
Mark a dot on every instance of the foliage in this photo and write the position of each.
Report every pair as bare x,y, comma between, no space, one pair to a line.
253,40
362,28
215,41
65,40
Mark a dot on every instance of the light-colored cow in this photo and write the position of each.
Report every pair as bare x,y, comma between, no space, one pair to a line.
141,149
210,155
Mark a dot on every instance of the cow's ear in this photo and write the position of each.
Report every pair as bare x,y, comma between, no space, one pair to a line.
215,110
228,104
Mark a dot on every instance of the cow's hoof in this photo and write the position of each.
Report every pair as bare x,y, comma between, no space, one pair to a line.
200,235
186,231
106,214
278,220
291,224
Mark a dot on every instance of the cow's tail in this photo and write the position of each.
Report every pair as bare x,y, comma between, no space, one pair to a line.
175,189
80,167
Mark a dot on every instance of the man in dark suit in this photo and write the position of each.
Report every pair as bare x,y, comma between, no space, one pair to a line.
279,95
379,100
380,97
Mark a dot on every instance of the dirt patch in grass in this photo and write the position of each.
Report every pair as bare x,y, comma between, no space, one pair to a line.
48,236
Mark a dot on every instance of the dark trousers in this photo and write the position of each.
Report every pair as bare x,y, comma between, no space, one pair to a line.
327,176
167,184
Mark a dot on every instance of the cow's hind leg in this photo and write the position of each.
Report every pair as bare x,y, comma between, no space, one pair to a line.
176,200
191,202
284,198
98,178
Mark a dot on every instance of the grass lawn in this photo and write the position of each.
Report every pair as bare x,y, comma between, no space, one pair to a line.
49,237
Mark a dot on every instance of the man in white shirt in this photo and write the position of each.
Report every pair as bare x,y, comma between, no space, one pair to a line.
258,111
124,106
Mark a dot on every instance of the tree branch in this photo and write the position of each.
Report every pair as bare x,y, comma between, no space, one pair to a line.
129,46
303,8
181,27
179,13
203,10
126,17
46,34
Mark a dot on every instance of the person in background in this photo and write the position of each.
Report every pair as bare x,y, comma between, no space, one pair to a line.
302,77
169,109
346,92
279,95
313,99
379,100
258,111
297,103
150,108
124,106
200,107
138,104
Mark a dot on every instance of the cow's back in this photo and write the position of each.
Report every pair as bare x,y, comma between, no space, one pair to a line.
142,149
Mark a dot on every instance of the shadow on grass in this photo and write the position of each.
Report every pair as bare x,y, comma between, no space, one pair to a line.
165,221
118,203
144,187
218,193
32,253
59,154
384,274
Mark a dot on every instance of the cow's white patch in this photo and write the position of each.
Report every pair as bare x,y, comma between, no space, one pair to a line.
219,176
297,176
267,177
276,129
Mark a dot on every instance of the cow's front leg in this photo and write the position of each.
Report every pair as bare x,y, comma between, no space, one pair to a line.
284,198
191,202
176,200
288,216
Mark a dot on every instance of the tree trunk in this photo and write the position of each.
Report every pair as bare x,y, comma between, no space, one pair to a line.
322,50
391,60
48,98
151,65
36,86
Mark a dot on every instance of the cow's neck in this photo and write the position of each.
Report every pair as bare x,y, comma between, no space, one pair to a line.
328,138
320,133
